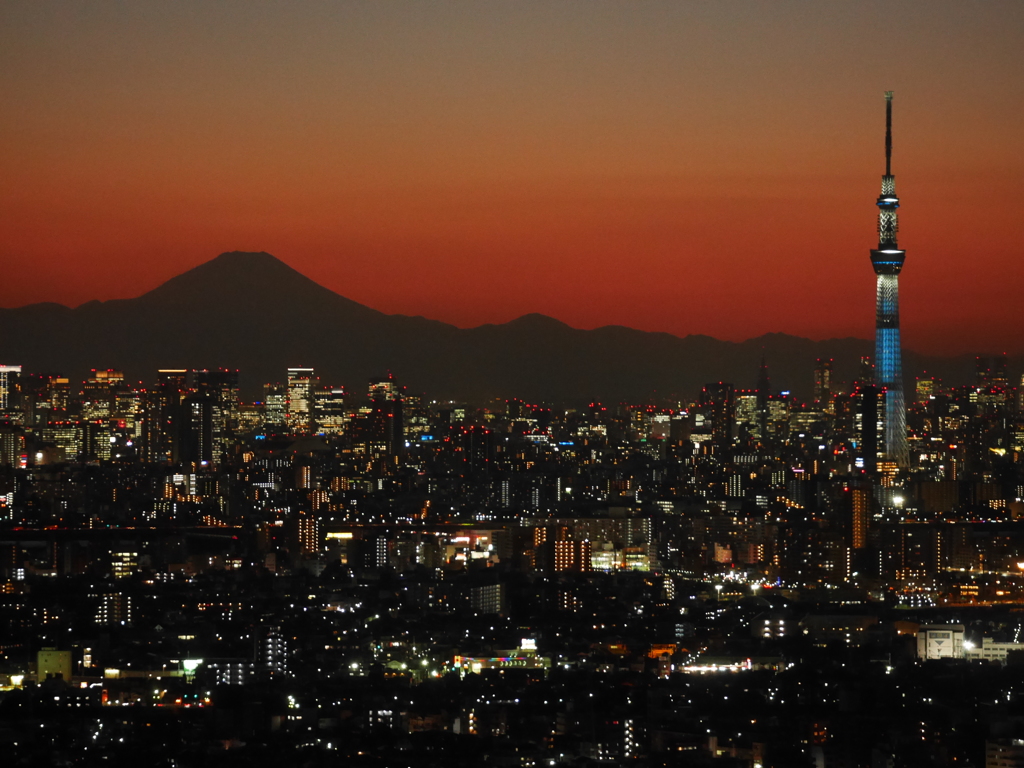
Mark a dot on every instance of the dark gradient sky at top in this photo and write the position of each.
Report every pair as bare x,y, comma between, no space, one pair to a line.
684,167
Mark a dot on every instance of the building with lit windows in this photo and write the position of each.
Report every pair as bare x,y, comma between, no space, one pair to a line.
1004,753
860,515
114,609
99,393
329,410
299,416
197,439
221,388
572,555
991,650
868,417
386,418
926,389
306,535
275,404
123,564
9,388
12,445
161,414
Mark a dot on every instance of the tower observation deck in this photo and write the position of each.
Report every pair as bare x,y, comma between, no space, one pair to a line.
887,261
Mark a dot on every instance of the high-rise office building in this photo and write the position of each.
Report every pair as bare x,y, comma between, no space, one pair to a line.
926,389
9,388
991,371
717,401
382,388
174,380
823,382
887,261
196,438
865,372
386,422
12,445
60,393
222,383
220,387
867,427
275,404
99,393
329,410
300,399
160,414
747,414
763,393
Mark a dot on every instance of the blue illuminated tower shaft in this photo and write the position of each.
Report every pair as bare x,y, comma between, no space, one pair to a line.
887,261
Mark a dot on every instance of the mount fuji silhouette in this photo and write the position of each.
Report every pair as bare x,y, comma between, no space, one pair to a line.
253,312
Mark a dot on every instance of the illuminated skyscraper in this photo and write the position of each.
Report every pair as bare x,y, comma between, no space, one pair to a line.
887,261
197,437
927,389
275,403
99,393
9,375
220,388
329,410
867,422
383,388
222,383
386,422
300,399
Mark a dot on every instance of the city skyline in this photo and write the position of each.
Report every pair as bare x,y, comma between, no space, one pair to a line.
319,574
603,167
252,312
533,412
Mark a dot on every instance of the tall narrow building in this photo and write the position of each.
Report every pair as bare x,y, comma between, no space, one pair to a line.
887,261
300,400
823,382
763,394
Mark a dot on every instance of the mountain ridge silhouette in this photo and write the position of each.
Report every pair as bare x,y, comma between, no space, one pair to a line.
254,312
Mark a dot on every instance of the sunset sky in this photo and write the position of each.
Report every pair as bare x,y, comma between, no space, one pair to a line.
672,166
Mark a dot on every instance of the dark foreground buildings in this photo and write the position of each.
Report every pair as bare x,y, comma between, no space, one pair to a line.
376,578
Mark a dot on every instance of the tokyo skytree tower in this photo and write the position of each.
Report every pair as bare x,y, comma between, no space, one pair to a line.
887,261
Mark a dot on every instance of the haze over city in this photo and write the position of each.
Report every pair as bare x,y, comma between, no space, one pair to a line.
670,167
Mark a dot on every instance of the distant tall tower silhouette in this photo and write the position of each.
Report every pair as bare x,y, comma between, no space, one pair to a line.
887,261
763,393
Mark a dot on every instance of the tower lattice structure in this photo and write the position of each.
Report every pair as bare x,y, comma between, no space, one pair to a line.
887,261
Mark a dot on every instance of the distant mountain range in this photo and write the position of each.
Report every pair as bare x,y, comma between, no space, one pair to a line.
253,312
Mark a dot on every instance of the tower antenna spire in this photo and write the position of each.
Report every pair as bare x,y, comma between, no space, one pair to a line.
888,133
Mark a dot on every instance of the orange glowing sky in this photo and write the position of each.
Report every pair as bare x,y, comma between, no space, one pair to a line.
683,167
